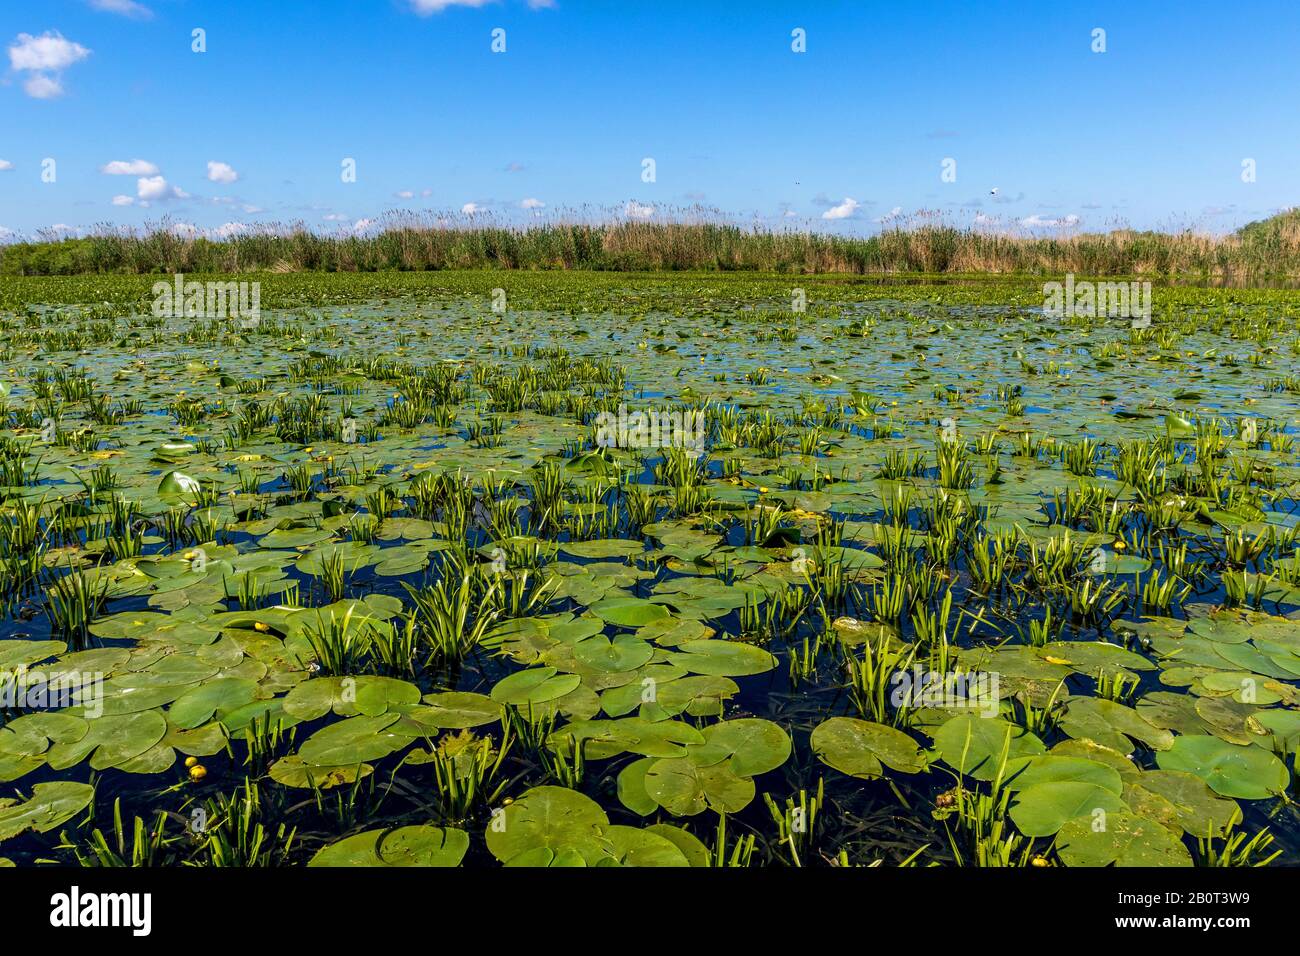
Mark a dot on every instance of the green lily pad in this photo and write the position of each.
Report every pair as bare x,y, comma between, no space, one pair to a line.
975,745
537,685
549,818
404,846
628,612
685,789
724,658
50,805
753,745
623,653
1124,840
1183,800
352,741
1231,770
1042,809
859,747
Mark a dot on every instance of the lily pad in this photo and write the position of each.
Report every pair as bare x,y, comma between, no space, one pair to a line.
1231,770
404,846
859,747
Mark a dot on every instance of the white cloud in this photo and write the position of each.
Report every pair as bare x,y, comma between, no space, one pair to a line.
5,165
426,7
123,200
43,58
1038,221
892,214
42,86
361,225
155,188
231,201
405,194
470,208
6,233
226,230
129,167
186,230
531,203
426,193
845,210
49,51
335,217
127,8
636,210
222,173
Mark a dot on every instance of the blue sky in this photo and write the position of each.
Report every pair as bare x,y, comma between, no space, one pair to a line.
1151,133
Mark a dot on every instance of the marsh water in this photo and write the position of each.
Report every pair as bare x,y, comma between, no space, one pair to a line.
367,567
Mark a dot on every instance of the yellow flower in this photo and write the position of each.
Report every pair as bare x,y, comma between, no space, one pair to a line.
198,772
1119,544
191,761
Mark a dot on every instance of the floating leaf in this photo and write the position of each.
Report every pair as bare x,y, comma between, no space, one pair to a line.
550,818
724,658
975,745
1231,770
685,789
50,805
859,747
1124,840
1042,809
536,685
404,846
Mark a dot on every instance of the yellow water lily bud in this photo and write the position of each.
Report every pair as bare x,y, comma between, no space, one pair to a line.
198,772
259,626
1119,544
191,761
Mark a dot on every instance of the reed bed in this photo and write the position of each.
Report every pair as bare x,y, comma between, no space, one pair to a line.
1269,248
